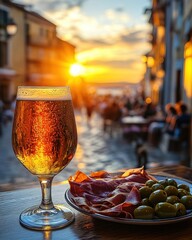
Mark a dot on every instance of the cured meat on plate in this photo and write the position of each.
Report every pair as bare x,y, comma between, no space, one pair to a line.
108,194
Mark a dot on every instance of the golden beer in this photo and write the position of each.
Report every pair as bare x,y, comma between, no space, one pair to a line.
44,139
44,135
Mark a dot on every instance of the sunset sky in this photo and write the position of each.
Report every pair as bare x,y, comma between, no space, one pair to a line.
110,36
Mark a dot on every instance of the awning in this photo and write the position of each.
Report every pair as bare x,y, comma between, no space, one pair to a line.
7,73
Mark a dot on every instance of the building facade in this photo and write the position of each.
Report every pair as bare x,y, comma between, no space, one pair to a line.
12,51
48,58
170,78
34,55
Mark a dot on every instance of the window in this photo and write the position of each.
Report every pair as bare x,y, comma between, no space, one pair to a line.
3,54
27,30
3,18
41,32
3,38
178,86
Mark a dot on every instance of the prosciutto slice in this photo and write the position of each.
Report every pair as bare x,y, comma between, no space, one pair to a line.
108,194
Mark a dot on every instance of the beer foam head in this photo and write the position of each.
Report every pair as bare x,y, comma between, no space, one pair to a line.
43,93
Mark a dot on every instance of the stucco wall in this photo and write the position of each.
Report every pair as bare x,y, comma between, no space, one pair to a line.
18,47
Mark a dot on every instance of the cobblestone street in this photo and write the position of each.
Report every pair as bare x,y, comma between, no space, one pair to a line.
96,151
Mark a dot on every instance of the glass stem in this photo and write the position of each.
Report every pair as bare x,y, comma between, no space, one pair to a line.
46,202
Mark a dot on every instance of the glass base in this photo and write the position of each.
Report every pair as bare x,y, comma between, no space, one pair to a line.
40,219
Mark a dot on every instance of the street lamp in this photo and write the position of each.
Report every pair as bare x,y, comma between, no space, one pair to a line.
11,27
149,62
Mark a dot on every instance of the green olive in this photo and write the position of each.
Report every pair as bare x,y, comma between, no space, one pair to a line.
182,192
144,212
165,210
158,196
156,186
164,182
180,209
184,186
172,182
150,182
187,201
145,201
173,199
145,191
171,190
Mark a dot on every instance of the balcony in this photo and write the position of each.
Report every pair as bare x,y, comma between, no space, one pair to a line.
40,41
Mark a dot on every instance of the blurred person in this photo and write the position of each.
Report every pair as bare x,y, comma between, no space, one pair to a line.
170,121
128,104
103,104
183,115
182,120
107,114
111,116
150,110
116,112
89,106
135,107
13,103
7,113
156,128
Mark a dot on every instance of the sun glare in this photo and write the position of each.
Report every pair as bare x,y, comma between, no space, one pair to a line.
76,69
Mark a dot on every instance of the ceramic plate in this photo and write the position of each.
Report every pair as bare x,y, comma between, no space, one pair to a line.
69,196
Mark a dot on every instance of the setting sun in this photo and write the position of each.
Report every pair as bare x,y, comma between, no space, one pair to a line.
76,69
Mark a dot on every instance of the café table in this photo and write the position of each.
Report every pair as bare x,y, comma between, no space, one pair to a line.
134,120
134,127
84,226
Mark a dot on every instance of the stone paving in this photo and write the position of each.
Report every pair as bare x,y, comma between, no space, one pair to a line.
96,150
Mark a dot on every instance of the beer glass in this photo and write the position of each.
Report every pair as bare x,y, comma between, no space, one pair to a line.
44,139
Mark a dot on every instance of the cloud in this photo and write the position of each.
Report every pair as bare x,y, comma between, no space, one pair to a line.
121,61
133,36
71,19
114,63
82,30
54,5
110,74
125,43
109,53
105,43
117,15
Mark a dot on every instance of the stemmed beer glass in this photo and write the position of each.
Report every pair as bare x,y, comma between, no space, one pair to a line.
44,139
